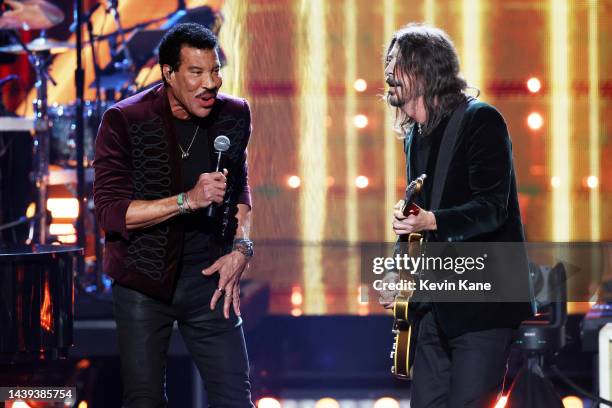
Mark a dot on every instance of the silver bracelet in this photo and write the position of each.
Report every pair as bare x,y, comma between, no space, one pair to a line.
189,209
244,246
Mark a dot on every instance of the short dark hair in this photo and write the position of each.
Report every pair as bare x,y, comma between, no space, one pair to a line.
428,58
191,34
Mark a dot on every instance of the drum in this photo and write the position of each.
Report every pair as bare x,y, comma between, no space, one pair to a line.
63,132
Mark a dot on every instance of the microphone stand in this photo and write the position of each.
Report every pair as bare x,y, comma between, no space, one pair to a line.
96,67
127,63
79,80
92,41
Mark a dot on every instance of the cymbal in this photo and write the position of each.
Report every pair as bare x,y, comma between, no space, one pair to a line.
40,45
31,15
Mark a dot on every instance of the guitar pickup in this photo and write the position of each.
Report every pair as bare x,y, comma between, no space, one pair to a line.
401,324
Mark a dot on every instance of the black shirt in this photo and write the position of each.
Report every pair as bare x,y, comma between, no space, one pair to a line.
423,157
199,249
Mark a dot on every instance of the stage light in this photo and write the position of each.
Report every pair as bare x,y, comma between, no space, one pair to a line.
268,402
294,181
31,211
327,403
360,85
296,312
296,296
594,116
535,121
555,181
572,402
83,364
83,404
62,229
561,99
502,402
386,402
592,182
534,85
63,207
360,121
361,181
67,239
351,140
20,404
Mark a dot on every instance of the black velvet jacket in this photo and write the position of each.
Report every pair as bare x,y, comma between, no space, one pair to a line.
479,203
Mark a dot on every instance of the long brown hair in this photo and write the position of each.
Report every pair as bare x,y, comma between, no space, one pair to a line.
430,64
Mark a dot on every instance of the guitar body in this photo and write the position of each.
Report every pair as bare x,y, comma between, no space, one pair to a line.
405,326
405,335
406,323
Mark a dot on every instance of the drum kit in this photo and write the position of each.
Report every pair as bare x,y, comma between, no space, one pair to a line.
59,136
54,127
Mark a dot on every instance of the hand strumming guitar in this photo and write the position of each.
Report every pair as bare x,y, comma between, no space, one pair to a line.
418,220
387,297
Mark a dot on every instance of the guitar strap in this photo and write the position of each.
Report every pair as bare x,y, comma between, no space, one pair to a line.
447,148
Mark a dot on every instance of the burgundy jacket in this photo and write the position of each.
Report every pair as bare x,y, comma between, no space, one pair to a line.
137,158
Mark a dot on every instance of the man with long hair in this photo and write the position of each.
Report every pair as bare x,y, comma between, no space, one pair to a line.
462,348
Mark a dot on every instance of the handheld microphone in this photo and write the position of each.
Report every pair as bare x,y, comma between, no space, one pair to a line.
222,144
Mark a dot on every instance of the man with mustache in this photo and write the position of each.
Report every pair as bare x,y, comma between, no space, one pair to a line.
170,261
462,348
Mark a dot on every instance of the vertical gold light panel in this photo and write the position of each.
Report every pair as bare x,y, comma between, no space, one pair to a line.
471,60
312,78
594,151
350,103
560,158
233,40
391,143
429,12
351,143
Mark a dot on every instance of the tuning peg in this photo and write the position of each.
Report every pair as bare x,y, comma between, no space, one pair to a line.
392,370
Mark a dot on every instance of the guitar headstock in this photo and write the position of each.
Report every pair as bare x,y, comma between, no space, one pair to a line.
413,189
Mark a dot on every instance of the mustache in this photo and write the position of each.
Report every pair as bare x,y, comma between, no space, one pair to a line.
209,92
392,82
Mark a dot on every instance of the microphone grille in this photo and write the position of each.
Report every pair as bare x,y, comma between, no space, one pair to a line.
222,143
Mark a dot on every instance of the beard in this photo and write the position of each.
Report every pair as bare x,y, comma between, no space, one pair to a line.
394,100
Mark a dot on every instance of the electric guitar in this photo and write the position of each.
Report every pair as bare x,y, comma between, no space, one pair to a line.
405,324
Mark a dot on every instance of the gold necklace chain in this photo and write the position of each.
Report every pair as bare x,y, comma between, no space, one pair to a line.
185,154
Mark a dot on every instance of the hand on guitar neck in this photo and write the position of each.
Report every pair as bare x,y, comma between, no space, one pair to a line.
409,217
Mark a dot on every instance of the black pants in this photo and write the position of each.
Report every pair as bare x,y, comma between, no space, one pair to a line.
217,344
464,371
